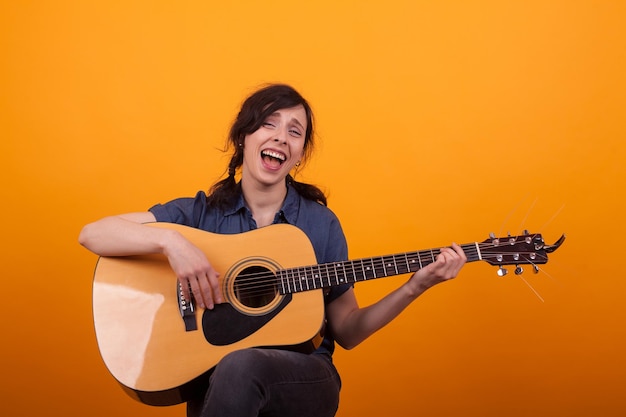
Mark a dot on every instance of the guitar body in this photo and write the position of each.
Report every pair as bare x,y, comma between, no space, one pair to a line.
143,339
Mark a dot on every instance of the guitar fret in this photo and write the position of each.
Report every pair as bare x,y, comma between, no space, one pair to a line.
306,279
381,268
300,284
384,265
392,265
354,276
339,280
316,276
300,280
414,265
310,278
289,286
400,268
313,276
282,281
320,274
363,270
371,268
328,275
293,280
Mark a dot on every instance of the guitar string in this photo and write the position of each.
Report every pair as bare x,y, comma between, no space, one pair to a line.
377,263
318,272
521,227
531,288
424,256
554,216
528,213
513,210
264,282
271,285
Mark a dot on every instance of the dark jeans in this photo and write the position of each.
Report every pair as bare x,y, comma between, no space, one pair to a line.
270,382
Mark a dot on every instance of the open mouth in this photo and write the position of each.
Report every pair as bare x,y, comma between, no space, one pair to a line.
272,158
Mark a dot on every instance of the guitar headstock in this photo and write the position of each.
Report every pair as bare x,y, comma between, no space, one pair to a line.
526,249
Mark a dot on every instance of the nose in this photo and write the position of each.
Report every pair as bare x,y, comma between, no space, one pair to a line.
281,136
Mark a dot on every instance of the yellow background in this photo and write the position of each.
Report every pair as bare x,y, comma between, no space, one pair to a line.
437,121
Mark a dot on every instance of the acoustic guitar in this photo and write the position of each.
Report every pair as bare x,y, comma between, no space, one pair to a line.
161,347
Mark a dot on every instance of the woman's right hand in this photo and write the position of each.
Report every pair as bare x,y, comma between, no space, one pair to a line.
194,271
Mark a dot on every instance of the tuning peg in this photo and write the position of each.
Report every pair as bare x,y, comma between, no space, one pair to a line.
494,240
502,272
519,270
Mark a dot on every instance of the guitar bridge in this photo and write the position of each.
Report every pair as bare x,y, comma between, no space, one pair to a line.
187,309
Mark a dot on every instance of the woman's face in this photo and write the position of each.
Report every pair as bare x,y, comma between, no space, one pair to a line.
273,150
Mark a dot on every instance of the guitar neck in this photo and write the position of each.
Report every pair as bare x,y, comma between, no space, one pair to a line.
328,275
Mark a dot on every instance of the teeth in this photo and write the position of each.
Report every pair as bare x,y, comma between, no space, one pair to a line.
273,154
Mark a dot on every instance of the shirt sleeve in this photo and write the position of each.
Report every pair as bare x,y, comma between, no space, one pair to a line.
186,211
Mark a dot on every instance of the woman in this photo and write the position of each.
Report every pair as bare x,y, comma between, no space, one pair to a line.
271,136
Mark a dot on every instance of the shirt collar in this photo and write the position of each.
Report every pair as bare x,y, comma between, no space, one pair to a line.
238,206
289,210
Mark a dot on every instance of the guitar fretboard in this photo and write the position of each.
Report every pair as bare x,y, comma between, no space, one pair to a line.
327,275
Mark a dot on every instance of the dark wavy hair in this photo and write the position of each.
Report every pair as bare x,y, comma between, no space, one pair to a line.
254,111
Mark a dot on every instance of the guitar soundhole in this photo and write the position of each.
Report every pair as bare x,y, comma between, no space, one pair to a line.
255,287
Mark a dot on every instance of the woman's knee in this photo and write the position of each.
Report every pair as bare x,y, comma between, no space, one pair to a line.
246,366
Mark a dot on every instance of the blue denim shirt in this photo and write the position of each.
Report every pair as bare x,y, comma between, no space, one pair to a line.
318,222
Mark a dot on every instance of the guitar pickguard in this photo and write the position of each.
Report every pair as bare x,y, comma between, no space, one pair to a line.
225,325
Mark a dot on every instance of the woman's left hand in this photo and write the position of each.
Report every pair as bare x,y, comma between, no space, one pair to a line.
446,266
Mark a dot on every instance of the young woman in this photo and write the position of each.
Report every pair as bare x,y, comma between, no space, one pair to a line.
271,136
